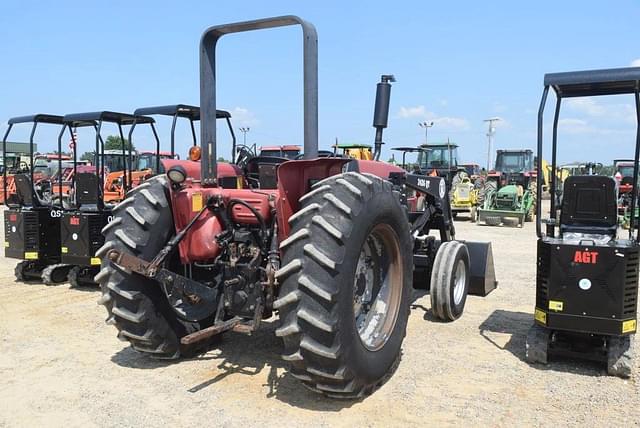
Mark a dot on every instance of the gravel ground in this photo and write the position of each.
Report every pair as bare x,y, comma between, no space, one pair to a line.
61,365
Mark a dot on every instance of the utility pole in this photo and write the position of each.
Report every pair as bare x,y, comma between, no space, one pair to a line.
426,126
244,131
490,133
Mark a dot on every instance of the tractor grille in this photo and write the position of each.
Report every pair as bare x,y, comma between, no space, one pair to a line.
542,276
463,192
631,285
31,227
505,202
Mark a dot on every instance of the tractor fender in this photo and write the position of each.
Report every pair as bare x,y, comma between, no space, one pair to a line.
295,179
379,169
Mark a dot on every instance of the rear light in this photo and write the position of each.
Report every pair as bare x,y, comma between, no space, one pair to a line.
195,153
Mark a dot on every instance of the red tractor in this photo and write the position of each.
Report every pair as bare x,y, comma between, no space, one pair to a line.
331,247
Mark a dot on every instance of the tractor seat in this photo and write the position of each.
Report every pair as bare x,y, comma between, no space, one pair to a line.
262,170
26,194
88,194
589,208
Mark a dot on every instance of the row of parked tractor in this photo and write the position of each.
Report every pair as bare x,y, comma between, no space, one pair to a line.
333,242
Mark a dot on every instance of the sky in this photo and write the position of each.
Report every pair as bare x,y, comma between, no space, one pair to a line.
456,63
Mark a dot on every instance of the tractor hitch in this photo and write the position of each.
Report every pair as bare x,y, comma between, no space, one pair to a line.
192,300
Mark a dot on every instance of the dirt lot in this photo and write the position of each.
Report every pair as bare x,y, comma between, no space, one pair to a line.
61,365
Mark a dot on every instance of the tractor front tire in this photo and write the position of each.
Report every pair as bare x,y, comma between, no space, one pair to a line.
349,249
450,281
533,190
136,305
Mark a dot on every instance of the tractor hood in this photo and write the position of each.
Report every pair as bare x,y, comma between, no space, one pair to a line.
193,168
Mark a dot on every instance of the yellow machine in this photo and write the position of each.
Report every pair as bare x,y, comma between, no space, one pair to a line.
464,196
356,151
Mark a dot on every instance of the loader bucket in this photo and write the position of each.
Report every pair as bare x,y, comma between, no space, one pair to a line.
483,275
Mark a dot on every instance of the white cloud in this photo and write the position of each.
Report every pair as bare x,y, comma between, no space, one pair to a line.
444,122
581,126
243,117
411,112
635,63
609,112
587,106
574,126
451,122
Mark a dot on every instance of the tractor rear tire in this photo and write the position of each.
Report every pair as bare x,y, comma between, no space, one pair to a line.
533,190
350,227
136,305
620,356
450,281
489,188
537,345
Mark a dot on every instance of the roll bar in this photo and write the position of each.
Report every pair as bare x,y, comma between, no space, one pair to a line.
208,44
192,113
120,119
35,119
585,84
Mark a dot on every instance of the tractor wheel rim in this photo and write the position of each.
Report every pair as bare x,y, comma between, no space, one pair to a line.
459,279
378,284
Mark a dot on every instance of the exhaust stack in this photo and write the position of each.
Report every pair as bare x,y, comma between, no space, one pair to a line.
381,111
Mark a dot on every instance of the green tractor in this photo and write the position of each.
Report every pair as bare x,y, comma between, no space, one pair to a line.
509,193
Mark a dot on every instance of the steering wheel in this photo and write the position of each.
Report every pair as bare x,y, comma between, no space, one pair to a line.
244,155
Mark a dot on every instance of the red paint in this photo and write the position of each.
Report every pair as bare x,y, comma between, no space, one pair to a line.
199,244
585,257
193,168
379,169
295,179
625,188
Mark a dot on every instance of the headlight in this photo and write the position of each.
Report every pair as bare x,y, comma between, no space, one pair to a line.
177,174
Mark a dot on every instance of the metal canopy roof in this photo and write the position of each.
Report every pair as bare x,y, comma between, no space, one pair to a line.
181,110
439,145
108,116
41,118
611,81
411,149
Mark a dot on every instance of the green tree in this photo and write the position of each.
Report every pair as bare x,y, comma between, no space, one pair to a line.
114,142
88,156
